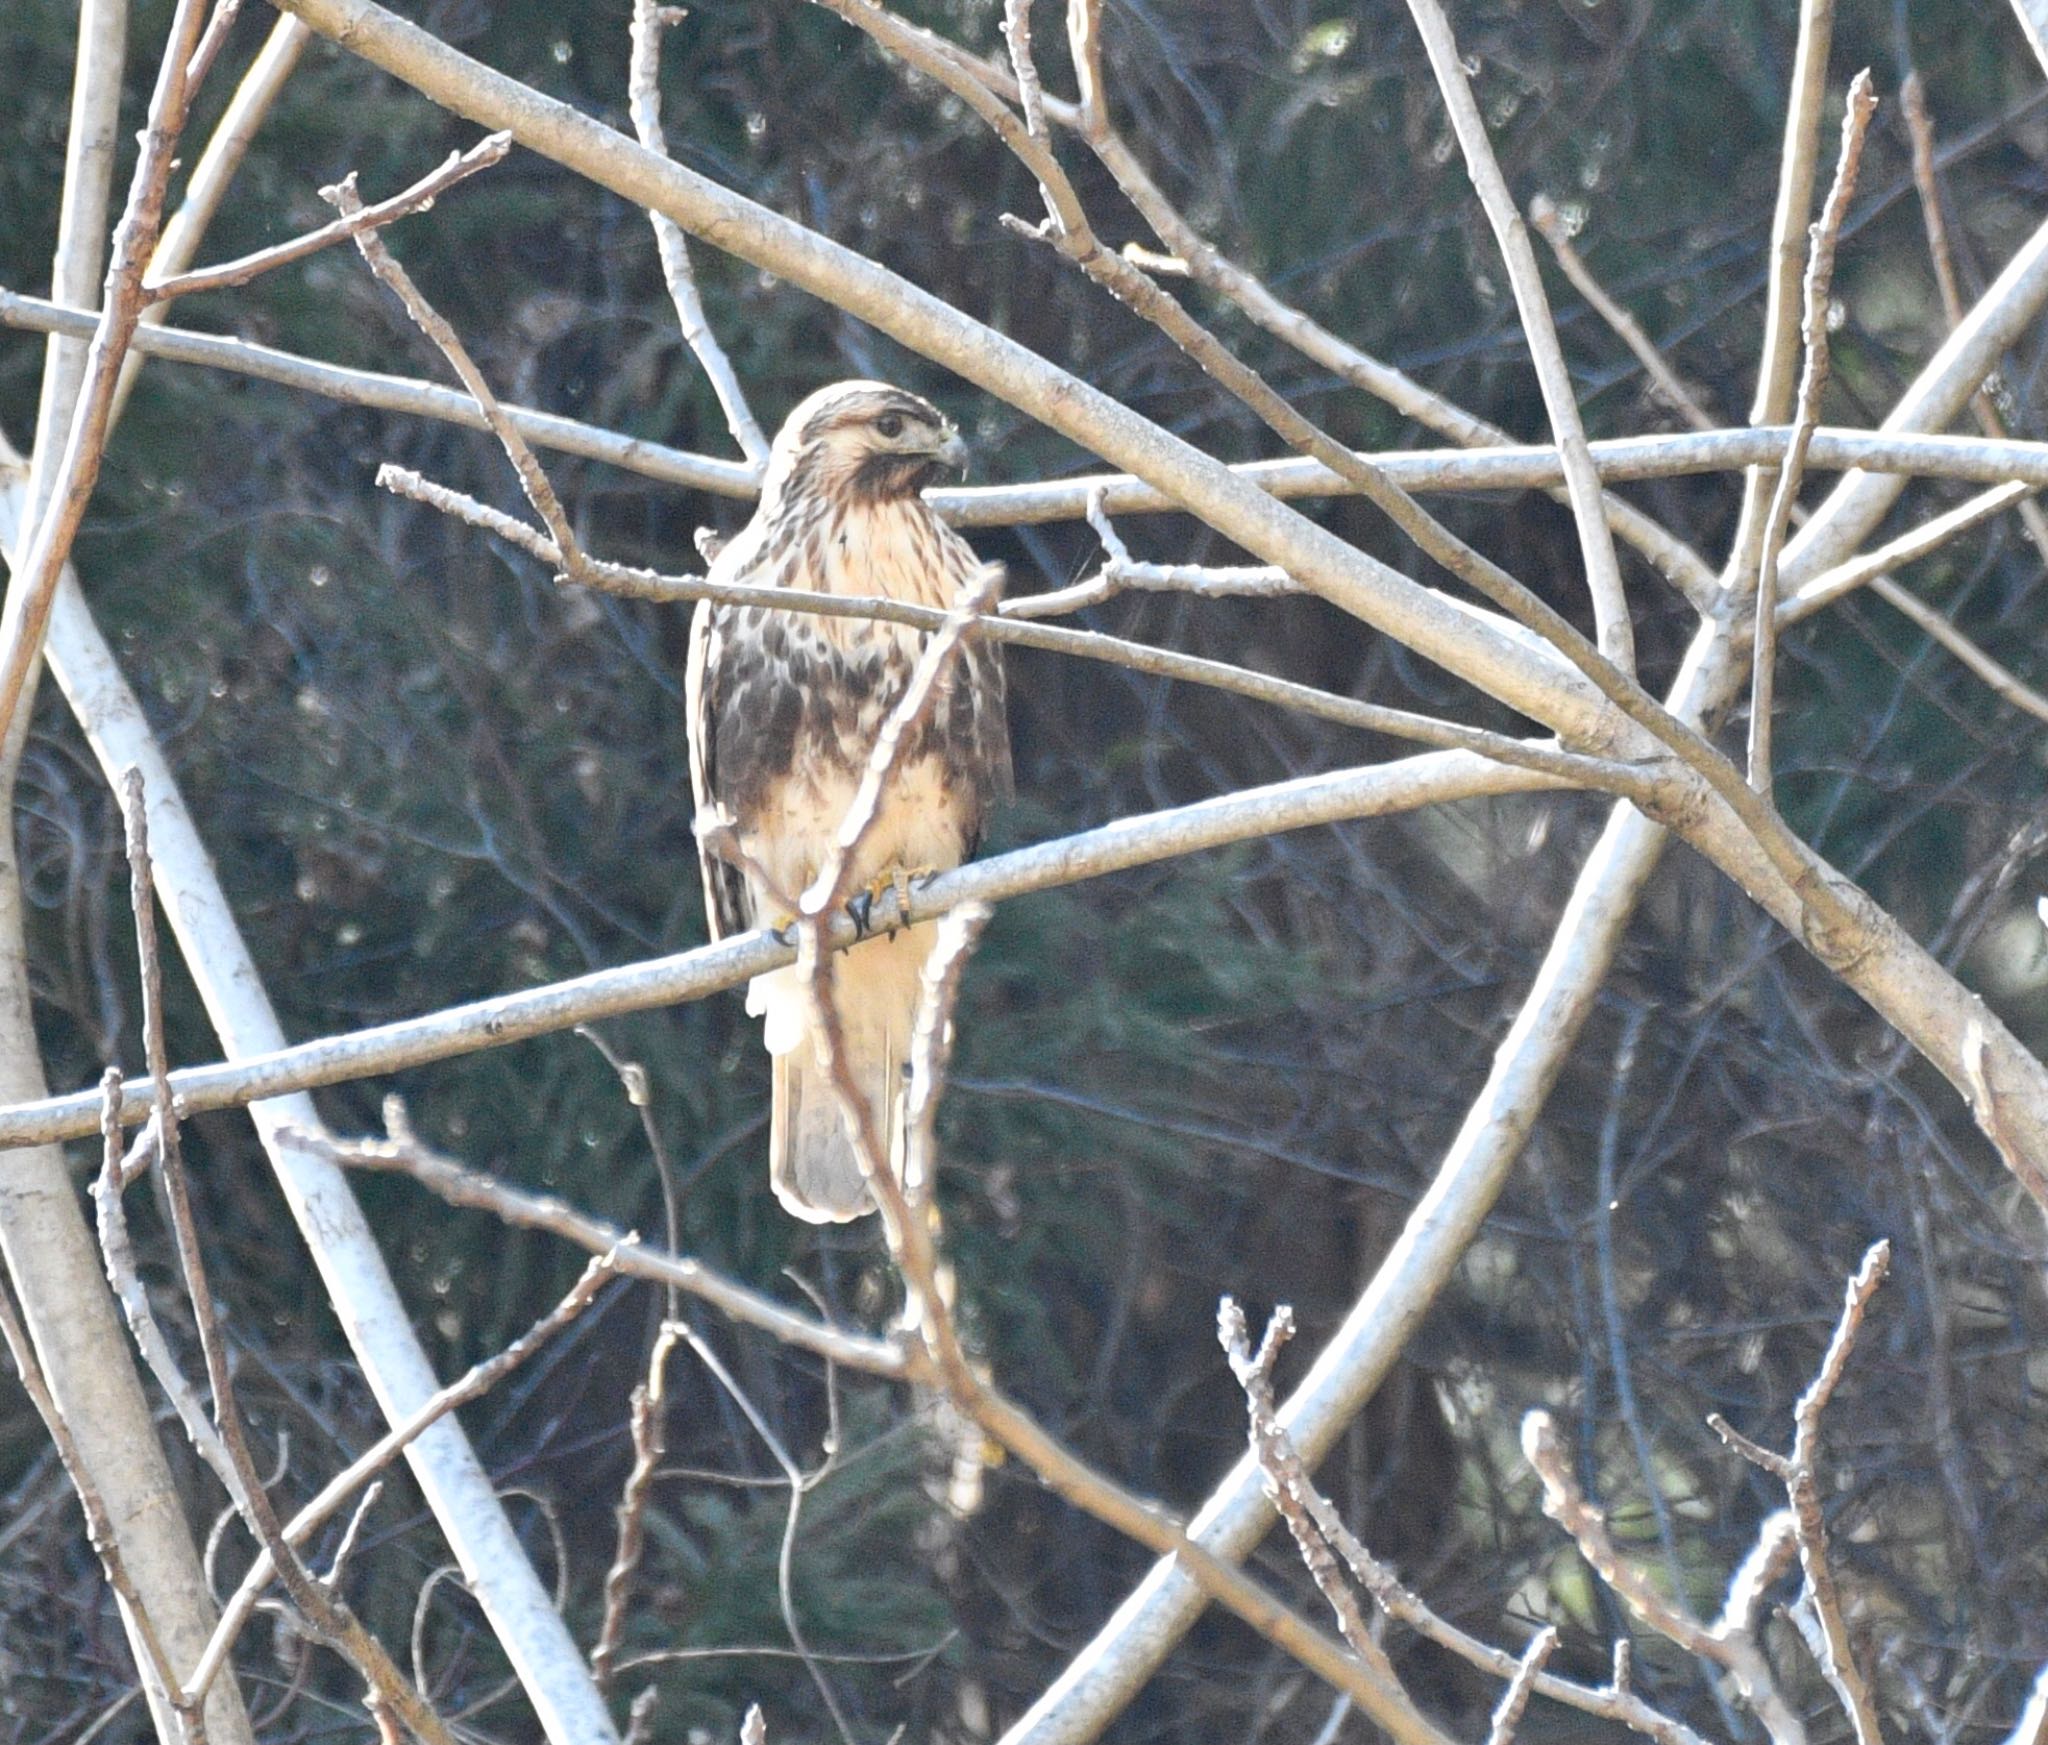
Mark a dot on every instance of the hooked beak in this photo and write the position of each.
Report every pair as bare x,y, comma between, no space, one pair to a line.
952,453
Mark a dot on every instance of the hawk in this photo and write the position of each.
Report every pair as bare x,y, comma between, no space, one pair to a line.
784,709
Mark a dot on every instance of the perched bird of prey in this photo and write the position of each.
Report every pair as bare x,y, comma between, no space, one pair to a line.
784,708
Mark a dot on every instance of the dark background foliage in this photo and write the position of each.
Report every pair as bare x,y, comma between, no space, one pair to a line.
428,774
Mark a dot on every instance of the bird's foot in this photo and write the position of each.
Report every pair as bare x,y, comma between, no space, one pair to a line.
895,882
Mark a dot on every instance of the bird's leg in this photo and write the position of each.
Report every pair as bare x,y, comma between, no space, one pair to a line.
896,882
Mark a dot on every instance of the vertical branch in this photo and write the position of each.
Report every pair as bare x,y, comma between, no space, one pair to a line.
1813,380
1798,166
1596,541
1920,132
66,1310
208,183
649,1428
34,585
644,97
99,1527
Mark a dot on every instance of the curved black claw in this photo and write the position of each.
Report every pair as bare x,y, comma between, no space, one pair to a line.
861,906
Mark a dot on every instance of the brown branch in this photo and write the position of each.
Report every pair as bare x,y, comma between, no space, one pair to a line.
33,589
390,1697
650,1442
420,197
1813,377
472,1385
532,480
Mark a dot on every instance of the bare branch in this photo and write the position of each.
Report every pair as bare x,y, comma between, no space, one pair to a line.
913,1245
1596,543
478,1381
1550,225
1360,793
1820,273
643,86
119,1255
1023,631
1731,1646
1508,466
1286,1481
532,480
420,197
98,1526
403,1153
68,486
1776,377
650,1442
388,1691
1508,1712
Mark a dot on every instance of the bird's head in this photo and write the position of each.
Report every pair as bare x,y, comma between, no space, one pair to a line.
867,440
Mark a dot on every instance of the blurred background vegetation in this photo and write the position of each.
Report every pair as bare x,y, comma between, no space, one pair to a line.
428,774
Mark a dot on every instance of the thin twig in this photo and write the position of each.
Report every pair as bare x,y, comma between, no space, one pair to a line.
472,1385
1801,1477
1285,1472
33,588
650,1442
390,1697
532,480
1254,1372
912,1235
1017,38
403,1153
643,86
1507,1712
1550,225
1736,1649
99,1527
1777,368
1632,780
1813,378
119,1256
1920,131
1491,462
1210,268
1596,541
420,197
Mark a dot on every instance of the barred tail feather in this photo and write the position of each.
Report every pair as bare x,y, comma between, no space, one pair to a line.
811,1161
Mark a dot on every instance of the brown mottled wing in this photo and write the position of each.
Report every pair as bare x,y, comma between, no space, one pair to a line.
743,703
706,686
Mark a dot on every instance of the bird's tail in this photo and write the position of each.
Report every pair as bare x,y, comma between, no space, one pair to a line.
811,1163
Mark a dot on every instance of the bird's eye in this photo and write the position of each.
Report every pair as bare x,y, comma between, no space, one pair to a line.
890,424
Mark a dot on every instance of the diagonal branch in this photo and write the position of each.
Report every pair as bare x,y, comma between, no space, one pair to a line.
644,94
1596,543
420,197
